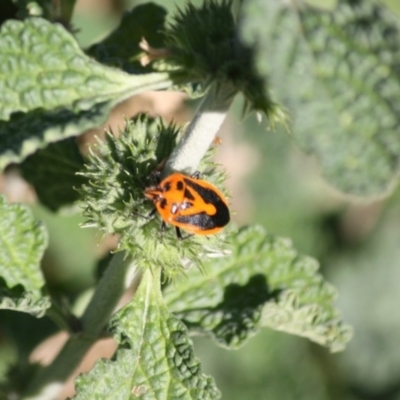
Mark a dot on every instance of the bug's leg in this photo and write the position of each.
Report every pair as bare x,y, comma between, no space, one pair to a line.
139,215
152,212
161,232
196,175
148,216
179,234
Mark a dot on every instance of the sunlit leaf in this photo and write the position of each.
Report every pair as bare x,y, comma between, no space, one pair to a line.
50,90
264,282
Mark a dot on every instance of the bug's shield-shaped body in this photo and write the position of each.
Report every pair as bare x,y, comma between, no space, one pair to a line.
191,204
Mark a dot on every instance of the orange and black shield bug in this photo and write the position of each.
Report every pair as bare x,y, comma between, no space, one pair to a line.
192,204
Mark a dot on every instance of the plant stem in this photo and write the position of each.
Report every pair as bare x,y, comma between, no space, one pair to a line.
57,316
202,129
66,10
49,381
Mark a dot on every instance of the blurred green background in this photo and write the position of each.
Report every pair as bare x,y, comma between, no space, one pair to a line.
356,242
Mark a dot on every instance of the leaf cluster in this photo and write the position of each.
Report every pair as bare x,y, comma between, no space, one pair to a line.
234,283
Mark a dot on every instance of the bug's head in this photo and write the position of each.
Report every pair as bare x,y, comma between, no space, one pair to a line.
153,193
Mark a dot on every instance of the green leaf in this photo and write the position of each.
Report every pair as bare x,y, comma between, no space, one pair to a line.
121,48
340,82
23,241
52,171
155,358
51,90
265,282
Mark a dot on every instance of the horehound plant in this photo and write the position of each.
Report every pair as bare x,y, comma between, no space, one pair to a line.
226,286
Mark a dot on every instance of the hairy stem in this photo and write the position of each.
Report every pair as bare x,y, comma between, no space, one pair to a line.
202,129
49,381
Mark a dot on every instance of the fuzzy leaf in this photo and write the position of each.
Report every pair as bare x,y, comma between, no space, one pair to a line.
27,302
340,81
367,275
50,90
52,171
155,358
265,282
23,241
121,48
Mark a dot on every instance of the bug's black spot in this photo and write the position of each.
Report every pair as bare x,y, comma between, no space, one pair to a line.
202,220
188,195
163,203
167,187
179,185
